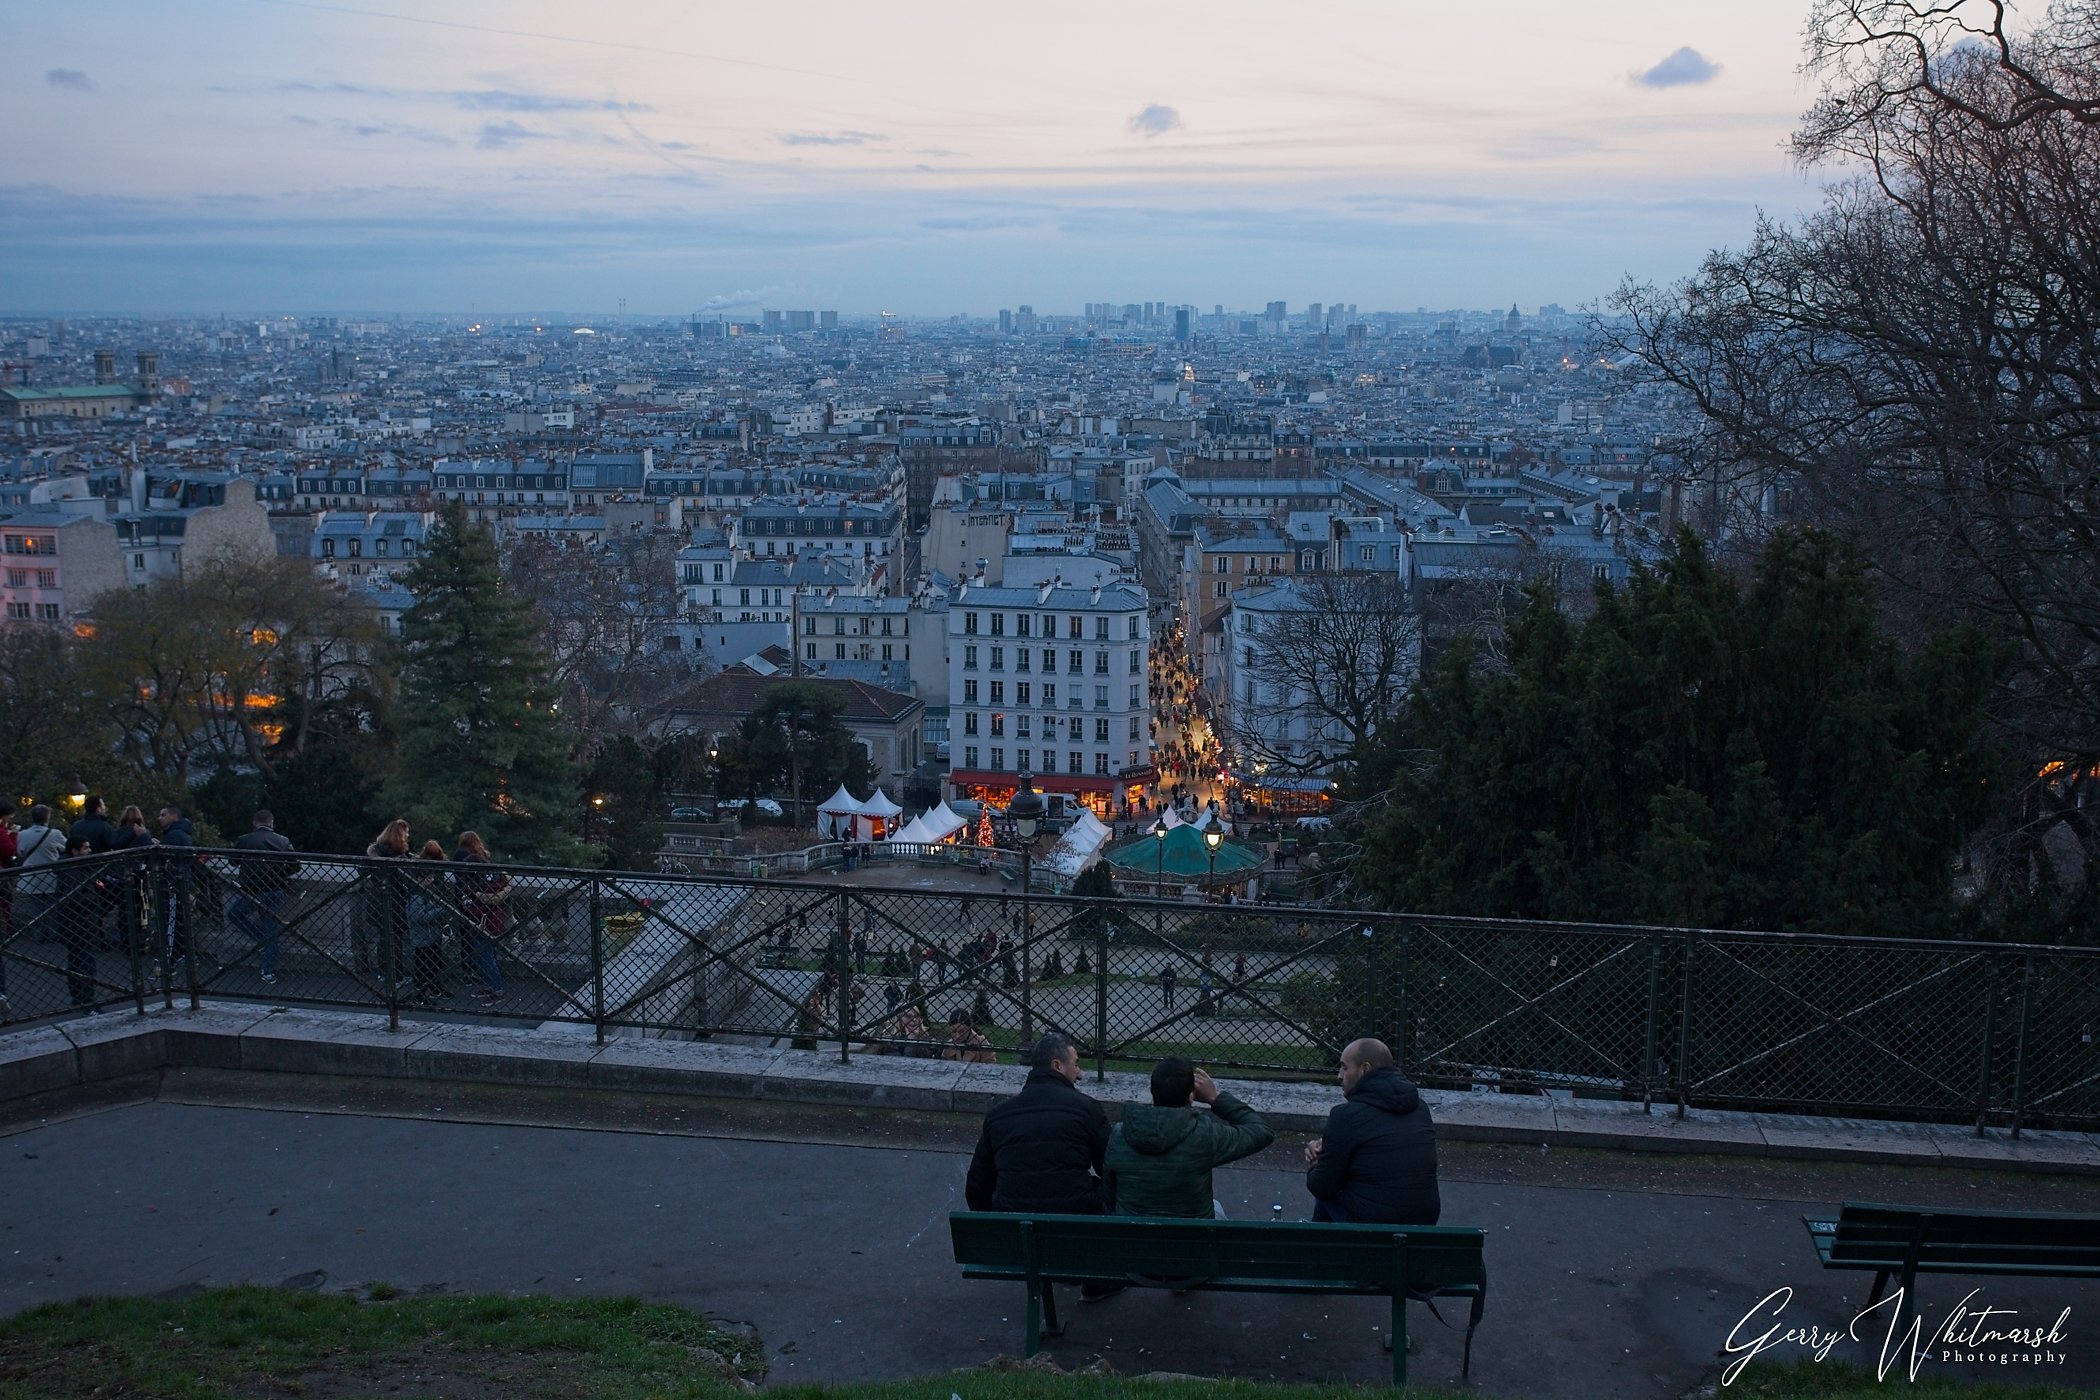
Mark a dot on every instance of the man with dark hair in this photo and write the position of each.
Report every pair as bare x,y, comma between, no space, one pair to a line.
1377,1160
265,874
93,823
1041,1149
92,826
1160,1156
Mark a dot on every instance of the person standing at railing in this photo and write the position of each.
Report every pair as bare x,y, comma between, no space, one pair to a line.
383,904
428,917
37,846
266,876
178,892
79,912
130,835
484,892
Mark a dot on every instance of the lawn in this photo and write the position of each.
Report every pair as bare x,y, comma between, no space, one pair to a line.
250,1343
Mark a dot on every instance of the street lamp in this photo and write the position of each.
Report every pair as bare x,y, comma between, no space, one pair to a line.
1213,838
1159,867
1025,811
76,796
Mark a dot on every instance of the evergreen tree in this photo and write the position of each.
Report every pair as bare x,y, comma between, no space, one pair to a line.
618,789
478,745
1695,752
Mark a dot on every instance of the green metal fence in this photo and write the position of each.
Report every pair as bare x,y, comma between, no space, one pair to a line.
1988,1034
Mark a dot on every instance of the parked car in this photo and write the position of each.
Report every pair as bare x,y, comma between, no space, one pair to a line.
691,814
1316,823
770,807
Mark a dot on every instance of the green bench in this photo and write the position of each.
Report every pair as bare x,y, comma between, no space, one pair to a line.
1906,1241
1393,1261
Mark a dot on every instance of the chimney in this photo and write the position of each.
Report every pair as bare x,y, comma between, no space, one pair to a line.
105,366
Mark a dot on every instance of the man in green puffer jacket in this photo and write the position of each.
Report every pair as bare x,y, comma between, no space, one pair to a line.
1160,1156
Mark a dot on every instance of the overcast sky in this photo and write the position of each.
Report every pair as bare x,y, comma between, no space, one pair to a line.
925,156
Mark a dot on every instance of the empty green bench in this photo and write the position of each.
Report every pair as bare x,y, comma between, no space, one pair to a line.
1392,1261
1905,1241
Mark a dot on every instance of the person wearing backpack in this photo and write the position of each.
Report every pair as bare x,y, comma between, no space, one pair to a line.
266,874
37,848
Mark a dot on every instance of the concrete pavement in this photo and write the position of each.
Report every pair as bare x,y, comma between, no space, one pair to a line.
839,1254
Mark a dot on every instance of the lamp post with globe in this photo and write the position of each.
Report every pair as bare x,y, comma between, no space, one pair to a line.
1212,839
1025,812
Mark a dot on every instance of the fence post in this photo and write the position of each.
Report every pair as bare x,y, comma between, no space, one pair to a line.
1990,1033
137,923
1403,1033
845,961
1684,1028
185,903
1654,1023
393,909
596,911
1101,992
2019,1091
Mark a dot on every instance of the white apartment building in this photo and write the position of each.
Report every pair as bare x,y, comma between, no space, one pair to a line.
1053,679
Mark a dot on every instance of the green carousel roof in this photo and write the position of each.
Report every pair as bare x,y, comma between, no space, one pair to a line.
1185,855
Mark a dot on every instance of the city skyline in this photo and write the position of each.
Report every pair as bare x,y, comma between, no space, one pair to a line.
295,156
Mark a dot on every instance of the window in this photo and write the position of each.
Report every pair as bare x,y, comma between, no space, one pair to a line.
1305,561
998,725
1021,727
887,648
743,597
1101,763
1021,658
1021,689
1021,758
969,722
838,624
1101,730
969,692
328,549
998,658
1221,589
1133,734
838,651
1133,759
1076,762
1137,662
138,561
1049,693
1133,629
970,756
998,692
21,610
809,624
1049,661
47,578
998,624
969,658
969,624
812,651
1100,697
379,548
1275,563
998,757
18,578
1075,627
1100,629
1366,553
47,612
1020,624
1100,663
1075,663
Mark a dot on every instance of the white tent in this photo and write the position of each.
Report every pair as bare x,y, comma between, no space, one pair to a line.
941,823
877,814
913,831
1208,818
835,816
1168,815
1079,847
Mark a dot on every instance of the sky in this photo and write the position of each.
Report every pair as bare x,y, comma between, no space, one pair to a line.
923,156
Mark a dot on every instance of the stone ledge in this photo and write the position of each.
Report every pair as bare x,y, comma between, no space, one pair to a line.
91,1050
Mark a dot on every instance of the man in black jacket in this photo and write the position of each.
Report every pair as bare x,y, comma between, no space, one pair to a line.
1041,1150
1377,1159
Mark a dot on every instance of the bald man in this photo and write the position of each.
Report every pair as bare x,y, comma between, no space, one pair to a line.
1377,1160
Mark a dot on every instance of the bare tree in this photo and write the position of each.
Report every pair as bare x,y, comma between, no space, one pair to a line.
1919,361
607,616
1334,664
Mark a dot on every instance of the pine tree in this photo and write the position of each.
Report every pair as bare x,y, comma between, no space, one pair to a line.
479,746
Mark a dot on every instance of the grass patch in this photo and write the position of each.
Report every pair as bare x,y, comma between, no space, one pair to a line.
270,1344
248,1343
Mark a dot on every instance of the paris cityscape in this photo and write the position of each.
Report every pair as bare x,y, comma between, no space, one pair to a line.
797,696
